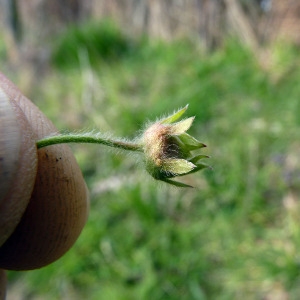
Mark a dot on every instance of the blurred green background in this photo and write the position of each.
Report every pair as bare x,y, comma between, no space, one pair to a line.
237,234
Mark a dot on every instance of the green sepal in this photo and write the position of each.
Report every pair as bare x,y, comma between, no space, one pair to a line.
200,166
196,158
196,169
174,117
190,142
182,126
178,166
178,184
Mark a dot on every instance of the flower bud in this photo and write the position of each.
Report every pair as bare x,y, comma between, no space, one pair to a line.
167,148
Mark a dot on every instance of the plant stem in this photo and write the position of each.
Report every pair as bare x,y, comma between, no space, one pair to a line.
88,138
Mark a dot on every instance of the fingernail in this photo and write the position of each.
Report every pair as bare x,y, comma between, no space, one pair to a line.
10,143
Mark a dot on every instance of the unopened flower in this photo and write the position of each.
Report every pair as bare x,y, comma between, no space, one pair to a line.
168,149
165,144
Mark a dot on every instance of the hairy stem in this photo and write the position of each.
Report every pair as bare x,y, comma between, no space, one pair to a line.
88,138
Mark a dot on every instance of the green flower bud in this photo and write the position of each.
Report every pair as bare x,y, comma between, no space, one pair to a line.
167,148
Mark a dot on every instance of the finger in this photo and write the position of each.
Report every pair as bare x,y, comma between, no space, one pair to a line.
18,164
58,207
10,136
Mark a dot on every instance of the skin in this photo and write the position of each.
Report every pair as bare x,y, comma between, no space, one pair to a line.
43,196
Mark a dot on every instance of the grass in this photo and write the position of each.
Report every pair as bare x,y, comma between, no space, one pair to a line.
237,234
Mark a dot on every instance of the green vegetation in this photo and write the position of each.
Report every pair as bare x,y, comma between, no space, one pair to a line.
237,235
102,41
